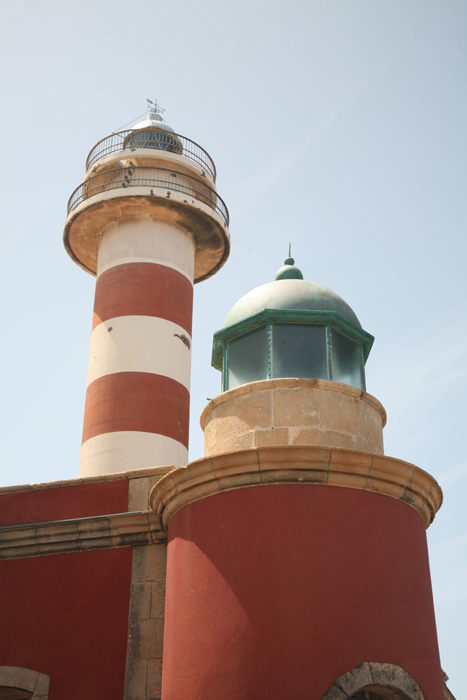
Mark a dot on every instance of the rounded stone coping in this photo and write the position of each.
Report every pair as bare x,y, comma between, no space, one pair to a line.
85,223
291,383
266,466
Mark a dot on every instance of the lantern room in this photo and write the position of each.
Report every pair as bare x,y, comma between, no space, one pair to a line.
291,328
154,132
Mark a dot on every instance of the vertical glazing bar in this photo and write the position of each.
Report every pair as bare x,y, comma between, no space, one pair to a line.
329,350
269,350
363,368
225,383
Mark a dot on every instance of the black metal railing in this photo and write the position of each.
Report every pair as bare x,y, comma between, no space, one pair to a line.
128,141
132,176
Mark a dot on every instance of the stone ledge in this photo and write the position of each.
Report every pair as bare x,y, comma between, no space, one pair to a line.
116,476
296,465
292,383
91,216
105,532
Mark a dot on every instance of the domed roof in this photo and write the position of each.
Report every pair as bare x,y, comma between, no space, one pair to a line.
153,120
289,292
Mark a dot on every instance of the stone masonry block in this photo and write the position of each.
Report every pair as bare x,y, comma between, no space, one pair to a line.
302,435
154,679
138,495
255,409
358,678
158,599
340,412
149,563
8,675
372,425
352,462
271,436
26,679
140,601
296,407
351,481
42,685
146,639
136,679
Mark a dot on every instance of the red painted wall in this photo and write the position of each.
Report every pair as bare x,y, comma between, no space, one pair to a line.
67,616
274,592
64,503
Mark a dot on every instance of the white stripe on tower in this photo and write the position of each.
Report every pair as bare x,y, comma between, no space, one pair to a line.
137,400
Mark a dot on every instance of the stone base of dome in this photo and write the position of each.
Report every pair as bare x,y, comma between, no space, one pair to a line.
293,412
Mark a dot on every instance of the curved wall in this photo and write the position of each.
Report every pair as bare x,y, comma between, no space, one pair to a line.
273,592
293,412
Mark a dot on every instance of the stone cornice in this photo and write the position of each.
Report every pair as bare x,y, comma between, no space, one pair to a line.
296,465
292,383
59,537
115,476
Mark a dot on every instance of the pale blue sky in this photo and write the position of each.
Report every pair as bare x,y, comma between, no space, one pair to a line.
336,125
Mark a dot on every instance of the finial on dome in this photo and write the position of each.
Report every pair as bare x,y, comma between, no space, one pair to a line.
154,120
155,109
289,271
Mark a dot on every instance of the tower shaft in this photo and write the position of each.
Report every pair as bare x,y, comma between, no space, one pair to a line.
137,400
148,222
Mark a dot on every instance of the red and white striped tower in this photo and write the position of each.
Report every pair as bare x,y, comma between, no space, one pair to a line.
147,221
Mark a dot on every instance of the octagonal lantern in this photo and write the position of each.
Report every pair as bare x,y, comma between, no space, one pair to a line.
291,328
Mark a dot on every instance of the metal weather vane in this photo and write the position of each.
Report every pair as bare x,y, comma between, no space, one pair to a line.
155,109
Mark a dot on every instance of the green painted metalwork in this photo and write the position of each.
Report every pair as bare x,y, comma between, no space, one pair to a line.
291,300
224,364
289,271
290,294
269,349
328,350
330,318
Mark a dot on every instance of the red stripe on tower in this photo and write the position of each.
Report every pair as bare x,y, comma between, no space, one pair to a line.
144,289
137,401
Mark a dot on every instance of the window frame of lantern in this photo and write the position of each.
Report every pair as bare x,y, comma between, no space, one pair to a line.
331,320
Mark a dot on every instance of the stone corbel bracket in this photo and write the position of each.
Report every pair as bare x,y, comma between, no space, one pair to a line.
266,466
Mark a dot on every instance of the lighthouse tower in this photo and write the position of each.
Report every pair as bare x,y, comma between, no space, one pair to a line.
148,222
297,562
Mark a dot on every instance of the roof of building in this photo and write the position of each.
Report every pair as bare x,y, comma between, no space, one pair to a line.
153,120
289,291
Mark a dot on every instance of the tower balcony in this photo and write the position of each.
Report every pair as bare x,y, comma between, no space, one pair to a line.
139,143
124,189
150,179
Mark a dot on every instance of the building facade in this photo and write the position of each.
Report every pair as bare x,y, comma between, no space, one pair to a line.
291,561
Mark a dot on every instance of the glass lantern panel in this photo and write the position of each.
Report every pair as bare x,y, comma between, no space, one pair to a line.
247,359
347,361
299,351
161,140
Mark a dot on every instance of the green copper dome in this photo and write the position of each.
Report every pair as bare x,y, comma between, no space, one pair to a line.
289,271
289,294
291,328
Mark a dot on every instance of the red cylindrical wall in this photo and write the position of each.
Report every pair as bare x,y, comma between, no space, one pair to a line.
274,592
